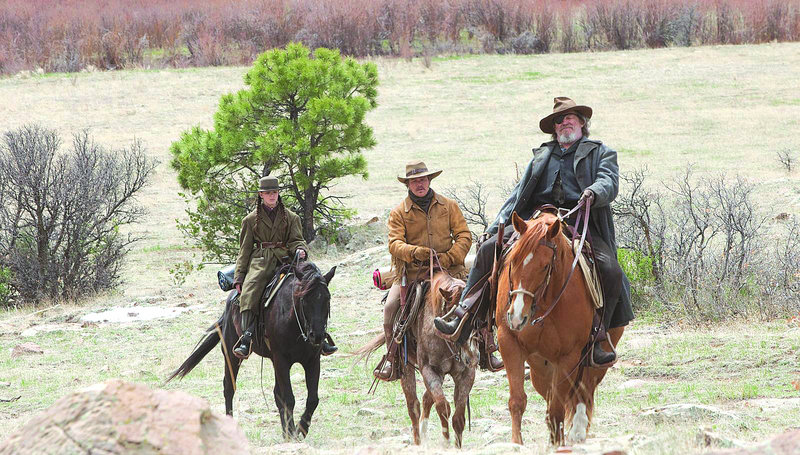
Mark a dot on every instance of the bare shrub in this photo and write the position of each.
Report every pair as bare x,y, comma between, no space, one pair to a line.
787,159
709,247
62,212
471,198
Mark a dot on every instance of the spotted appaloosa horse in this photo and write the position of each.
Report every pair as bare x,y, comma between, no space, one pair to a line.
535,270
434,358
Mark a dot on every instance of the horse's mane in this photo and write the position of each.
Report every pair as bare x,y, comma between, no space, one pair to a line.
441,280
529,241
308,276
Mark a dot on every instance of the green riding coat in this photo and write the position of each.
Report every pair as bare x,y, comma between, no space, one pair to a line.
257,263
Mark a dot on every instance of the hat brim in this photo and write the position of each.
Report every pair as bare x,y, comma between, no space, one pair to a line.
547,126
431,174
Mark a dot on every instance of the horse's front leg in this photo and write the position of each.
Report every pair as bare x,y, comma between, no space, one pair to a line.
312,384
284,397
409,383
231,365
433,382
464,382
515,372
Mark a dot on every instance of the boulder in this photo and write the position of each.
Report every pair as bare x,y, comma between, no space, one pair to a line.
119,417
784,444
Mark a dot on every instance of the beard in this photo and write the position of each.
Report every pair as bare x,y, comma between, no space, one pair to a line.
569,138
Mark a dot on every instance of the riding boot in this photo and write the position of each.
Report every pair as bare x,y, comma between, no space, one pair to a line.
245,344
488,347
599,356
462,312
385,369
328,346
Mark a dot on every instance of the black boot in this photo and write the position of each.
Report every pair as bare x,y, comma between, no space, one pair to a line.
245,344
599,356
460,314
328,346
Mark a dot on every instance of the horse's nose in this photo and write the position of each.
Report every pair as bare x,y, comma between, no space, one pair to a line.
516,323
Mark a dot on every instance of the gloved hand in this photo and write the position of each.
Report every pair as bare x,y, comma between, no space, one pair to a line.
422,253
588,195
301,254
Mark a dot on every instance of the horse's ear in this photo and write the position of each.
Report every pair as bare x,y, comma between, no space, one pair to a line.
554,229
329,275
519,224
446,293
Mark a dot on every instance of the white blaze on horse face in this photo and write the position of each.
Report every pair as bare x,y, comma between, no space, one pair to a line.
527,259
517,308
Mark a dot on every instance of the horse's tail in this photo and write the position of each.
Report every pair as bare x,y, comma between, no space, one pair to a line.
205,346
365,351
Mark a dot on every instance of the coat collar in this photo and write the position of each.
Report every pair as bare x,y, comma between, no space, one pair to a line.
585,146
408,203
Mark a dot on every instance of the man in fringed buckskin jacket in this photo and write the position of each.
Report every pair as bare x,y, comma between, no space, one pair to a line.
563,171
424,221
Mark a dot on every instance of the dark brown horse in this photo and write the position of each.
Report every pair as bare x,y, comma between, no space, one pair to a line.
531,280
294,326
435,358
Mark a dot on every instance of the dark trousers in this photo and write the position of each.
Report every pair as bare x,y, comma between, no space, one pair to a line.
607,265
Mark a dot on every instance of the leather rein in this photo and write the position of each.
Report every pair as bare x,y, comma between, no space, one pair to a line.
544,285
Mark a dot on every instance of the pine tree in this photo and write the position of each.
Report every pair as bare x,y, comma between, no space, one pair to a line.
300,118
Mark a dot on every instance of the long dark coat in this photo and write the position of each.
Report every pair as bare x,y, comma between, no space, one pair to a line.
256,266
596,168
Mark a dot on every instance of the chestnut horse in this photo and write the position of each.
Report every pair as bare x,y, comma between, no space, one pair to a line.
530,282
435,358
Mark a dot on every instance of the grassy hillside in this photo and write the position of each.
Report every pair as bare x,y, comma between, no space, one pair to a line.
726,109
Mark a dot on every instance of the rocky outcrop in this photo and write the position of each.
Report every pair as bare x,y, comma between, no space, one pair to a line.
118,417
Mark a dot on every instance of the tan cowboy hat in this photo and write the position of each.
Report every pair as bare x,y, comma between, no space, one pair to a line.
416,169
563,105
268,183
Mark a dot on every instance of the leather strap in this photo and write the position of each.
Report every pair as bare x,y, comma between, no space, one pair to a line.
267,245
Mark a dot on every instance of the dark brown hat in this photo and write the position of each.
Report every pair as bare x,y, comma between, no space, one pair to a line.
268,183
416,169
561,106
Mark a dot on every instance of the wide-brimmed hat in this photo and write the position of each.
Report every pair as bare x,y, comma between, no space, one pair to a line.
268,183
561,106
416,169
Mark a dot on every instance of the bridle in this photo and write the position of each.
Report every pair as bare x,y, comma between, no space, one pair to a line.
300,314
542,288
538,293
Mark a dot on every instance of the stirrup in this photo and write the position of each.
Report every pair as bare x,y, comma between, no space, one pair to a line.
393,376
457,334
239,343
591,363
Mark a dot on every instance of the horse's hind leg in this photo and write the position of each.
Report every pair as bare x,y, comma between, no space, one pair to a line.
464,382
409,382
433,382
312,385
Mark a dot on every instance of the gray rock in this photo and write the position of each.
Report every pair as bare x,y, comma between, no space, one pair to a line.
120,417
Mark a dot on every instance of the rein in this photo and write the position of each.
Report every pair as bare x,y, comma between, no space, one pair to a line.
582,214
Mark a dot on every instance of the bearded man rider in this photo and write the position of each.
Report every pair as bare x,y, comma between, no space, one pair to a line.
269,234
563,171
424,221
